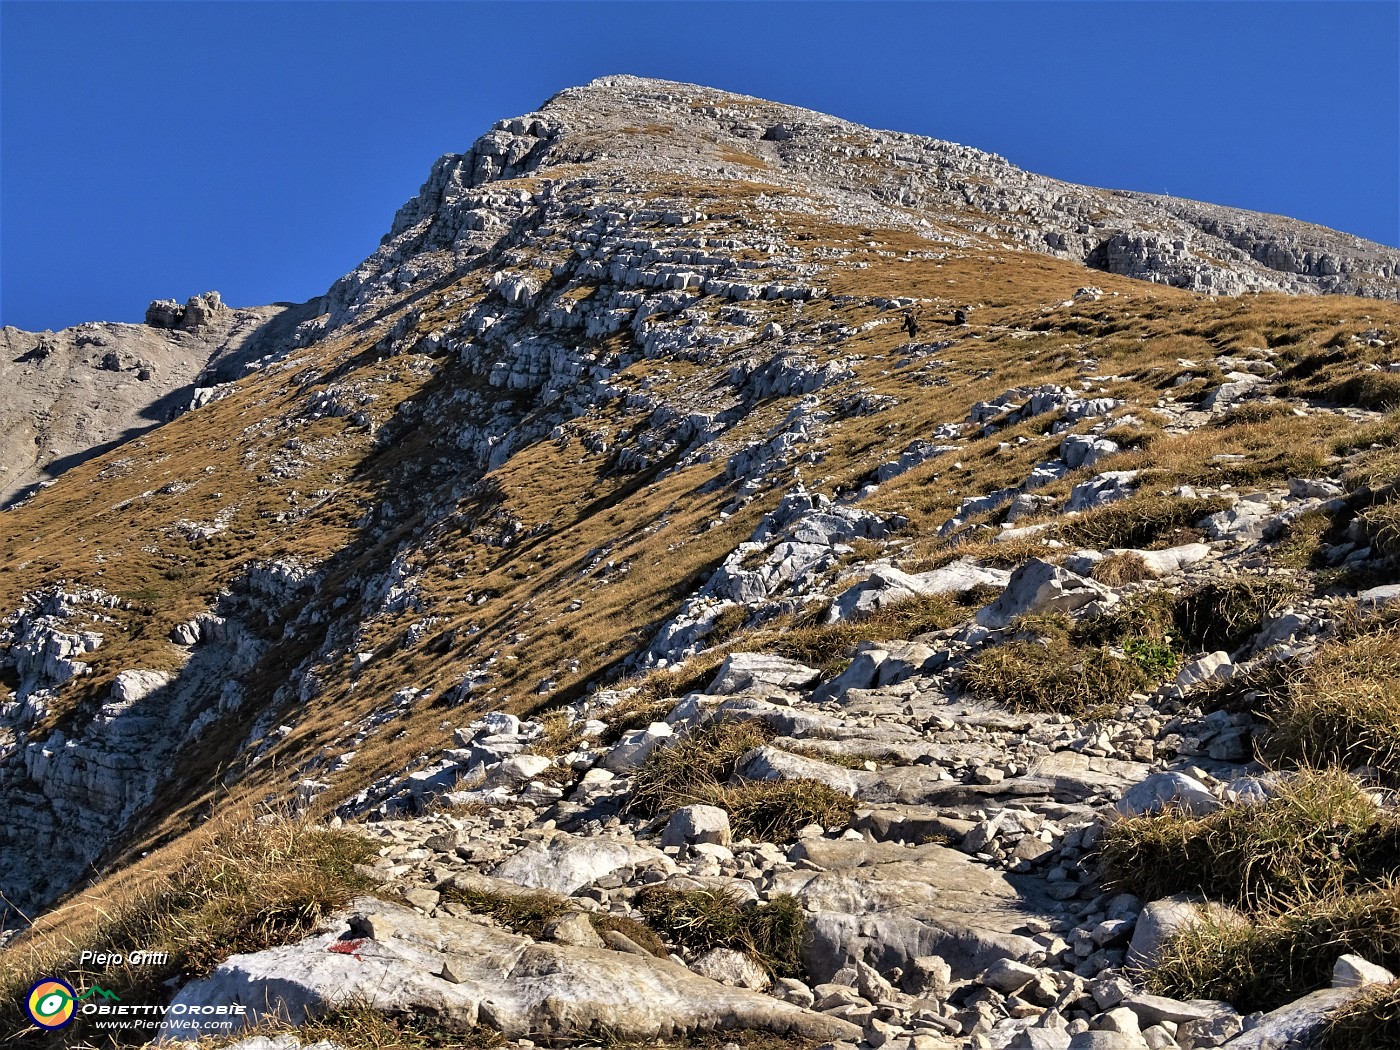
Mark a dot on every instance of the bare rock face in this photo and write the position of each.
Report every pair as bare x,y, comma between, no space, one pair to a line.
199,311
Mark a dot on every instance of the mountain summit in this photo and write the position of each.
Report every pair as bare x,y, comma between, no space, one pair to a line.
717,566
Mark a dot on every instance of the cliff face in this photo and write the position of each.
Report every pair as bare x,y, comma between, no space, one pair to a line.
663,410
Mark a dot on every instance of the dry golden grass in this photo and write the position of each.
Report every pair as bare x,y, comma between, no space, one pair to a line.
237,885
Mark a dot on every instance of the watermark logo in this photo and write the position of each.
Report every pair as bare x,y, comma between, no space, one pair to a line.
51,1003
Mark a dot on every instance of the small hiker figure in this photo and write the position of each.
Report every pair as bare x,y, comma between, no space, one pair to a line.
960,317
910,325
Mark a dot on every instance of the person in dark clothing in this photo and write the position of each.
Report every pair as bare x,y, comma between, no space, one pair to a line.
910,324
960,317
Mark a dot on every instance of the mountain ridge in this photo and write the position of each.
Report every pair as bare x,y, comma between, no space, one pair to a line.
624,435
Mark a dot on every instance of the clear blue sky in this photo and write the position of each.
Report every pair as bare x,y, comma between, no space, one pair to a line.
156,150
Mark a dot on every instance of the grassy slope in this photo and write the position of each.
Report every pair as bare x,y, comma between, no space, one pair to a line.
79,531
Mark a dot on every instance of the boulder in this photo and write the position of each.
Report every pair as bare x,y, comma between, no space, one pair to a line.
636,747
517,769
691,824
742,671
1172,559
1296,1025
1167,790
497,979
1154,1009
885,585
1040,587
736,969
891,904
771,763
863,673
1107,487
959,577
1084,450
567,863
1352,971
1245,522
1205,668
573,928
130,686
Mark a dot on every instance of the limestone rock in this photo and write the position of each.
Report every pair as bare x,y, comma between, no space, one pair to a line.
503,981
1040,587
727,966
1167,790
568,863
741,671
691,824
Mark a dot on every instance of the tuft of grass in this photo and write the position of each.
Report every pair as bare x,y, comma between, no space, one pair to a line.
1319,835
1253,413
1302,542
526,913
1264,964
358,1026
529,912
772,932
248,886
775,810
1382,525
1371,1021
699,769
727,624
1118,569
687,771
1142,522
1073,668
1374,390
1223,614
1383,432
829,646
1005,555
1343,708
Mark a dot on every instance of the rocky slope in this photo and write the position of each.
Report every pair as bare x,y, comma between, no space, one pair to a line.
78,392
641,521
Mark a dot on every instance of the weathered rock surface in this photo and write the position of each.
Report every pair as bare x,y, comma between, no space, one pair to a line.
505,981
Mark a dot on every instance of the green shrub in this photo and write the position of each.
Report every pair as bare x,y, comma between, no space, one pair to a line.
702,920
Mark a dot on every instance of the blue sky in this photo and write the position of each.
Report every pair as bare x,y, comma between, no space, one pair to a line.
152,150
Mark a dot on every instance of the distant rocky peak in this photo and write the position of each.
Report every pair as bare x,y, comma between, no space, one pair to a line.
199,311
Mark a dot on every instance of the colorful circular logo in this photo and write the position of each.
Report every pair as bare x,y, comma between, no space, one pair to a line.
51,1003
